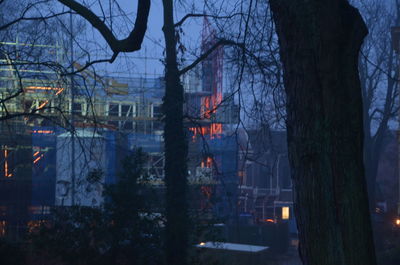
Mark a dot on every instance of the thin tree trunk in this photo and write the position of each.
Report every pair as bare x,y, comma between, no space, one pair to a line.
175,150
319,45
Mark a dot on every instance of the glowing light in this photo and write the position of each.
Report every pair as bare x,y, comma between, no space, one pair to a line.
43,131
59,91
209,162
206,108
398,221
43,104
37,159
269,220
6,174
36,153
210,104
5,163
40,87
214,130
202,244
46,88
285,213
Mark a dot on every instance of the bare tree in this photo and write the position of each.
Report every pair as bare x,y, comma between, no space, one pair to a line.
378,76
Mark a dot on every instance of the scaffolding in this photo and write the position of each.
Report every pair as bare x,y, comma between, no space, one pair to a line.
125,113
36,108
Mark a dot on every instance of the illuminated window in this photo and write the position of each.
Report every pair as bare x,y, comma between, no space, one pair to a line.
285,213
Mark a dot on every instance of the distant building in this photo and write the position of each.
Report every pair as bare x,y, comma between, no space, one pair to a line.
265,186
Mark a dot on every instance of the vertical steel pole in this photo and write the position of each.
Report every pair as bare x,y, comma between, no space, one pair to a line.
72,112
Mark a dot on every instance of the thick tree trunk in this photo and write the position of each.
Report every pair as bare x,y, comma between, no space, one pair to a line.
319,45
175,150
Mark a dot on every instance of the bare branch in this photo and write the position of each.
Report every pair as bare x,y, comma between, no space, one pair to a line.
22,18
130,44
221,42
88,64
180,22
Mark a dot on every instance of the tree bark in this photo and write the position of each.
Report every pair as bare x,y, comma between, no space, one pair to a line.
319,46
176,240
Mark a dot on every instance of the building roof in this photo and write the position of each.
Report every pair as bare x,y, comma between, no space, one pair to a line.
81,133
232,247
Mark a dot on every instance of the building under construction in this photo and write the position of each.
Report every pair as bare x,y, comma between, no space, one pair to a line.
58,130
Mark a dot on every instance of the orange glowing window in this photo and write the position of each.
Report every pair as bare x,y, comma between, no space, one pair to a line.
207,162
213,130
210,105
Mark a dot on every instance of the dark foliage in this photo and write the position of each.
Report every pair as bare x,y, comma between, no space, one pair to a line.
124,231
11,253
